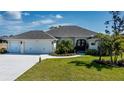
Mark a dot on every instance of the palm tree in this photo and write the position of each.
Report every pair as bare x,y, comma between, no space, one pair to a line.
116,40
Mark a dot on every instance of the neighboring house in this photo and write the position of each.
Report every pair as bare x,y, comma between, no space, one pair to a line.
45,42
82,38
3,43
31,42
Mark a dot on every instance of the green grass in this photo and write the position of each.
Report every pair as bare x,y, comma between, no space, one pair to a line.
79,68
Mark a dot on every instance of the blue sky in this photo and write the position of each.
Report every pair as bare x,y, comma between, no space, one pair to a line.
15,22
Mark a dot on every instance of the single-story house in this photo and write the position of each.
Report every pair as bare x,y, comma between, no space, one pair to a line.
38,41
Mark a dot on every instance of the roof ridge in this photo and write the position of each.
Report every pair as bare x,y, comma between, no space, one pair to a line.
82,28
72,26
70,31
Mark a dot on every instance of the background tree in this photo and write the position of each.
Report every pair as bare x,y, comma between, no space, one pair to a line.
55,27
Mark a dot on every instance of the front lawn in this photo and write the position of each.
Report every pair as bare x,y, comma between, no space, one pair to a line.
79,68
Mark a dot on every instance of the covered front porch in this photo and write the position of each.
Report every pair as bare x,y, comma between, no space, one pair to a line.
82,44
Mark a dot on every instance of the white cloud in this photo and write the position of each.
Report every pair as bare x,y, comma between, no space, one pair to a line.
6,22
43,22
12,21
47,21
15,28
26,14
13,15
58,16
40,16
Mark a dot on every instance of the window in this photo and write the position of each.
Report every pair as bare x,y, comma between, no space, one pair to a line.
81,42
92,44
78,43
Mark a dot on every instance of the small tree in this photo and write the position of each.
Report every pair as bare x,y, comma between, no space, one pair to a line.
104,43
116,40
64,46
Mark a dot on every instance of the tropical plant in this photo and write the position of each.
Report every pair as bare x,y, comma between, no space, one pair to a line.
117,39
113,41
64,46
104,43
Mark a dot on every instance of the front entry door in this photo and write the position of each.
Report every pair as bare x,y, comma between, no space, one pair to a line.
81,45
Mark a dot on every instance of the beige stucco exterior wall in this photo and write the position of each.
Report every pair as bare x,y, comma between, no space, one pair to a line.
90,41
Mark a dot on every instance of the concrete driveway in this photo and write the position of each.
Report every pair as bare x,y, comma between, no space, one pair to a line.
12,66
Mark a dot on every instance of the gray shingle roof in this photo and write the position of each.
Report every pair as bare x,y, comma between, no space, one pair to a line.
35,34
70,31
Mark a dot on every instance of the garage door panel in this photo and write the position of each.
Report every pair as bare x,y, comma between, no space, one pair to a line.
37,47
14,47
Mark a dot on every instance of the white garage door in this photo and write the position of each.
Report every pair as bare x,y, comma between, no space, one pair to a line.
14,47
43,46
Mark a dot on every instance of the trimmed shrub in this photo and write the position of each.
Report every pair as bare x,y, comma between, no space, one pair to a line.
106,62
93,52
64,47
121,62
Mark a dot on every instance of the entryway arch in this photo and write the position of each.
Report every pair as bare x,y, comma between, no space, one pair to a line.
81,45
